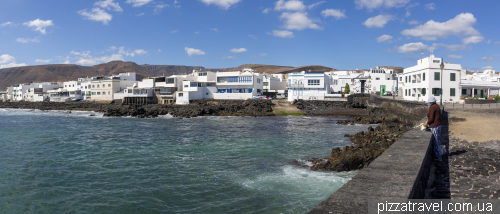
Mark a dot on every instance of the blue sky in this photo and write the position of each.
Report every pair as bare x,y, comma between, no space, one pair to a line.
340,34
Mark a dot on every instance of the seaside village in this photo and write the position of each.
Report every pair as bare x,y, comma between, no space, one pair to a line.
414,83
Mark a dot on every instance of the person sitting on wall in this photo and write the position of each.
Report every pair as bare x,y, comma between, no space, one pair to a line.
435,122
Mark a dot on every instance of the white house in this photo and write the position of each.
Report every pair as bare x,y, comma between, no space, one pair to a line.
141,92
377,81
238,85
485,84
338,80
27,91
202,86
425,78
308,86
274,83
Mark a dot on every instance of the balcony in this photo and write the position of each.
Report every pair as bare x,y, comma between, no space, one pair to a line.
416,81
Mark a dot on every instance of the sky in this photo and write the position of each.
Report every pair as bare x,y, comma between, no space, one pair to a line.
341,34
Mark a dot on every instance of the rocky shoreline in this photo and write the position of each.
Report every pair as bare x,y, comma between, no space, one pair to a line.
196,108
393,120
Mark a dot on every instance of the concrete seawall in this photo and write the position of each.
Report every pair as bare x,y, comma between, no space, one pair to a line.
400,172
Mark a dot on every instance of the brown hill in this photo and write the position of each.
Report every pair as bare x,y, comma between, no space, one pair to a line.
274,69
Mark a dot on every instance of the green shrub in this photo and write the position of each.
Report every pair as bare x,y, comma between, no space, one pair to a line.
347,90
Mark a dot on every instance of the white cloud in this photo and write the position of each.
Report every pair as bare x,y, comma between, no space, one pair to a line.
238,50
24,40
290,5
452,48
452,56
282,33
430,6
158,51
140,14
409,7
82,54
315,4
96,14
174,31
378,21
338,14
5,58
263,55
66,62
375,4
192,51
39,25
413,48
8,61
431,30
176,4
384,38
214,30
266,10
159,8
197,32
121,50
298,21
489,41
221,3
473,39
43,60
413,22
138,3
252,36
97,60
108,5
488,59
7,24
497,43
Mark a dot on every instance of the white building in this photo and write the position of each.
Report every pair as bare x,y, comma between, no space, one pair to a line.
238,85
485,84
27,91
308,86
375,81
424,79
339,79
202,86
274,83
139,93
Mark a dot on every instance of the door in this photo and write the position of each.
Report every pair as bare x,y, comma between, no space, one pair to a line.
382,90
363,86
482,93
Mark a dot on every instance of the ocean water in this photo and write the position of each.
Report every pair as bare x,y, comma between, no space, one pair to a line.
54,162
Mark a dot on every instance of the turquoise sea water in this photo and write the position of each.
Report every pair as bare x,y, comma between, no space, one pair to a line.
53,162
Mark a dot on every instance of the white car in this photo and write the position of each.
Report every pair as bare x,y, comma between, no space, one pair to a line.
280,96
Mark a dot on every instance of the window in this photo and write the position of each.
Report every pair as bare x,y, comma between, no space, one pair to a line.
210,84
97,86
436,61
109,85
181,94
436,76
452,92
85,87
464,91
103,85
109,92
170,81
258,80
406,79
377,78
406,92
409,78
245,79
93,93
452,76
186,86
193,84
401,79
313,82
129,90
200,85
93,86
232,79
423,91
65,86
73,85
423,76
98,93
202,74
475,91
335,82
435,91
